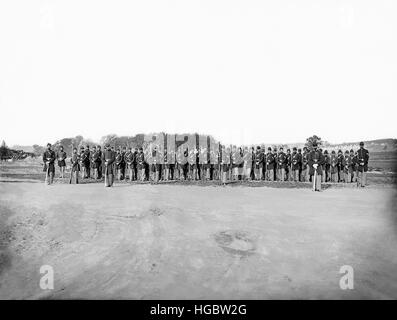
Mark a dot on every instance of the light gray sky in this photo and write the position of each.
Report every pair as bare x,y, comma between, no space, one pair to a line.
244,71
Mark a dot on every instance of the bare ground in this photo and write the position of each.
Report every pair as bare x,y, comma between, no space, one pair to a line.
199,242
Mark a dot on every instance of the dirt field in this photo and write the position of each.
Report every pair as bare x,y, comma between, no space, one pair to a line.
199,242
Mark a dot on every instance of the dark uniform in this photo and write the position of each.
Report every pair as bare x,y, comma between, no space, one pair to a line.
258,163
362,165
49,167
108,158
281,165
140,162
99,162
296,160
74,160
129,158
270,164
316,162
334,166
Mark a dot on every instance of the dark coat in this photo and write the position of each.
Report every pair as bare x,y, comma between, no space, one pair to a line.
316,157
49,157
108,158
362,160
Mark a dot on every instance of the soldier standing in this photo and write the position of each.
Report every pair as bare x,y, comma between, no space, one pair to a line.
108,158
61,157
281,164
362,165
305,165
316,161
354,165
347,163
123,163
82,157
270,164
74,160
94,162
340,166
140,161
295,164
49,167
288,169
258,163
118,163
334,166
129,160
326,167
99,162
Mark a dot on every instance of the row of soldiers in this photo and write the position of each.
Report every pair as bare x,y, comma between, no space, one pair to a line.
233,164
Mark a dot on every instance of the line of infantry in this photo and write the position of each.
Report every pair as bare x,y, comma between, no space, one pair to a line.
314,165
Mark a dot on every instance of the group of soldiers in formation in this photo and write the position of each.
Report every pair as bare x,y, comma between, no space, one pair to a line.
314,165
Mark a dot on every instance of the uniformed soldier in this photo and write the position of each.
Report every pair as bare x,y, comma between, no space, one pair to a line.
334,166
341,177
362,165
82,159
258,163
354,166
300,164
305,165
275,156
123,164
61,157
135,164
99,162
296,160
270,164
94,162
118,161
140,161
49,167
326,167
288,169
316,161
347,164
155,167
129,160
108,159
74,160
225,163
247,163
281,164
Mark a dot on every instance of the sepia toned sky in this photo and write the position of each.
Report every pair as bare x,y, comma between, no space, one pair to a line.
244,71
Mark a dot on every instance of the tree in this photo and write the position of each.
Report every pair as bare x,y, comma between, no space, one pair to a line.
310,140
38,150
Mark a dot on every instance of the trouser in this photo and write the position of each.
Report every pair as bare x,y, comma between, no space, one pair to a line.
270,174
248,173
95,173
334,177
131,173
295,175
304,175
361,179
109,179
258,173
348,177
323,176
49,179
62,171
281,174
317,185
99,170
142,172
76,177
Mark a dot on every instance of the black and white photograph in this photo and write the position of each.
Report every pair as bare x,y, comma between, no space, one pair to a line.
217,150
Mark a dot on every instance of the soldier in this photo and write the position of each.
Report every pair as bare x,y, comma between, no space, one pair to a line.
118,161
247,163
334,166
99,162
123,163
135,164
155,167
288,169
258,163
140,161
296,159
61,157
362,165
281,164
225,162
74,160
326,167
354,165
82,157
49,167
305,171
341,177
270,164
316,161
347,164
108,158
94,161
129,160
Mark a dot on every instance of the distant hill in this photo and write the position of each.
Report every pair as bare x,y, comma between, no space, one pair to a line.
24,148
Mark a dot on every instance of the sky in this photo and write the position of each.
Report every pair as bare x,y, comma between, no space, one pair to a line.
243,71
